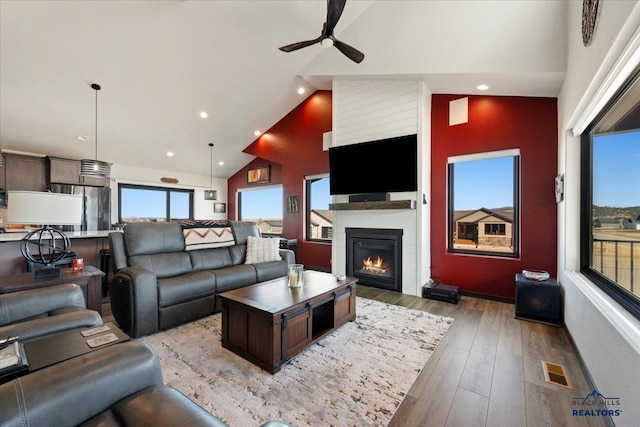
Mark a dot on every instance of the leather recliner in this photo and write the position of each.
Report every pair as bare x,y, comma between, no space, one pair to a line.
120,385
37,312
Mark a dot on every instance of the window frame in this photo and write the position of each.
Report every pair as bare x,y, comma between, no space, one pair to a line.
166,190
239,192
625,298
307,209
451,223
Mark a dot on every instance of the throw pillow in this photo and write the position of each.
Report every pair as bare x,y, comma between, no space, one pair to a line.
262,249
207,234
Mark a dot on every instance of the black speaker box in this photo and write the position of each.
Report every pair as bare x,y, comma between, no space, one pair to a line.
369,197
538,301
441,292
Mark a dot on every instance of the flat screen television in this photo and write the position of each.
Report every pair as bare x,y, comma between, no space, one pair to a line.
382,166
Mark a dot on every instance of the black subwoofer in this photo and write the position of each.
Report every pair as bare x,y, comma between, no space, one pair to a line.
539,301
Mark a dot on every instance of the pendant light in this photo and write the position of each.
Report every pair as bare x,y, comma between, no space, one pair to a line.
95,167
211,194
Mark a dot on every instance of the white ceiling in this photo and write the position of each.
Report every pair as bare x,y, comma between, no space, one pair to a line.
160,63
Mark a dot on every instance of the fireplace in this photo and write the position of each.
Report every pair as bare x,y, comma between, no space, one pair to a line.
374,256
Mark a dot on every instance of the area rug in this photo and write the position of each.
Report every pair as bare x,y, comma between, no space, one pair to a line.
356,376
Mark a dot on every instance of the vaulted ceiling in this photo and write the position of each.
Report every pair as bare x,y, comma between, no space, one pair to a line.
161,63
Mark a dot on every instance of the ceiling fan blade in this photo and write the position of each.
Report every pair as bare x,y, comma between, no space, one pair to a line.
350,52
299,45
334,11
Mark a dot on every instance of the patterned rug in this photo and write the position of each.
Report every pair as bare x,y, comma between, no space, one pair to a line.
356,376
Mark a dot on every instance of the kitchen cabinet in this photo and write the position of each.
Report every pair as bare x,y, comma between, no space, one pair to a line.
25,173
67,171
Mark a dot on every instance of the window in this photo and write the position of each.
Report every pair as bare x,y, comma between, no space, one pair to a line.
483,203
264,207
140,203
318,216
610,195
495,229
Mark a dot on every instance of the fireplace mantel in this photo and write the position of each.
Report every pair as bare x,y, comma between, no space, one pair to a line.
384,204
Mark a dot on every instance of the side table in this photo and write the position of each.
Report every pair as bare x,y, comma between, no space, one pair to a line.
89,280
538,301
291,244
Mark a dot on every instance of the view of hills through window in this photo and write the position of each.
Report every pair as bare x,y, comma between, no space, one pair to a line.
616,208
264,206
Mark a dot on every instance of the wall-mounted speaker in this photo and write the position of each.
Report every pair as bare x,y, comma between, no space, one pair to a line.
539,301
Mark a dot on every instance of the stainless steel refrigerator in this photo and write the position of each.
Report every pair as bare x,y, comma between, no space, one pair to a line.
96,206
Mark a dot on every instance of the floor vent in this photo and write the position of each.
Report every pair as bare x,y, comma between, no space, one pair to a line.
556,374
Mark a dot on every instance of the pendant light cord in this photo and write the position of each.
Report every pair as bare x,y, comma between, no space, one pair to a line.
211,167
96,87
96,130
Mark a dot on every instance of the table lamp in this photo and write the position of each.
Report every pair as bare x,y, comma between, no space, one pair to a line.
45,245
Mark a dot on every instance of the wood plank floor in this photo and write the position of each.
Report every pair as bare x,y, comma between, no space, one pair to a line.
487,370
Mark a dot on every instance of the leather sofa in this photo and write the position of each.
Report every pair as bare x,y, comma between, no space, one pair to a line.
120,385
42,311
158,284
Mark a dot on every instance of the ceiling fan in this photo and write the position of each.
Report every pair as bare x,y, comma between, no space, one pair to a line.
334,10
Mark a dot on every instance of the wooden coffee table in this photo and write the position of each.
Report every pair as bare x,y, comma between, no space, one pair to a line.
268,323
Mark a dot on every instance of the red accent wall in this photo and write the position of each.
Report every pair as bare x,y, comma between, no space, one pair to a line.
293,148
498,123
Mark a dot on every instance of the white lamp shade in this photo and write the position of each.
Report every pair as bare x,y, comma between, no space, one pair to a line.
39,208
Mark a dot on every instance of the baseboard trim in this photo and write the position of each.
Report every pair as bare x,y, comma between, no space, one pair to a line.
489,297
587,375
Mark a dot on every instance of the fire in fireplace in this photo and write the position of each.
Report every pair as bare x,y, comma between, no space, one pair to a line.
374,256
376,266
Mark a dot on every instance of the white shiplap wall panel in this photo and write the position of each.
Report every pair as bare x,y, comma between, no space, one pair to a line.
370,110
367,111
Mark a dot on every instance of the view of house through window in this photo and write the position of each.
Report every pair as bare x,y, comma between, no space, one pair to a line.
483,203
611,192
262,205
319,218
141,203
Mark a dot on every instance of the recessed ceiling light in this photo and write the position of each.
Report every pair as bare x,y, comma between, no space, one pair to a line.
257,133
204,114
301,90
220,163
482,87
169,153
83,138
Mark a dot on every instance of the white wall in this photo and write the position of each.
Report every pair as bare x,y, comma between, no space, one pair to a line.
423,202
607,337
203,209
372,110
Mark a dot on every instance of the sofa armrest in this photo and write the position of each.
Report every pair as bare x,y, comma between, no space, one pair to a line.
118,253
134,301
71,392
51,322
16,306
160,405
288,256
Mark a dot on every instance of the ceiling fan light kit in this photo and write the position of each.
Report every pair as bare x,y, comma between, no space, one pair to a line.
327,39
